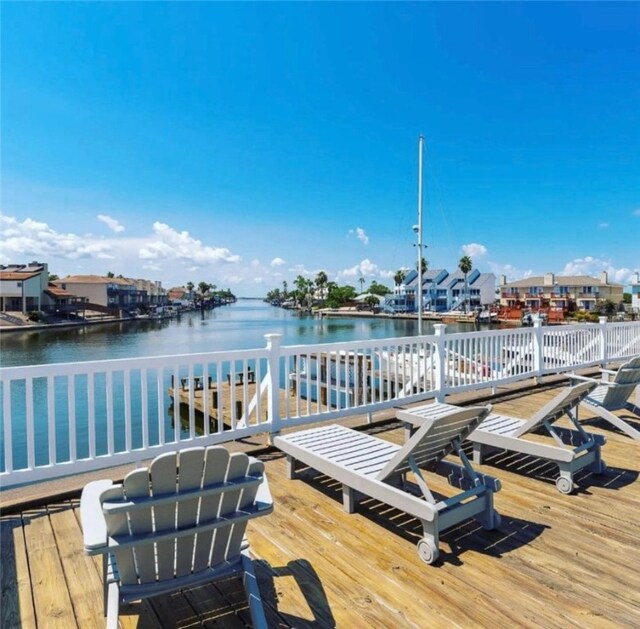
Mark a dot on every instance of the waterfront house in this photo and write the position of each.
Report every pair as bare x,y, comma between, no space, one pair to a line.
562,292
150,292
115,292
635,293
443,291
108,292
22,286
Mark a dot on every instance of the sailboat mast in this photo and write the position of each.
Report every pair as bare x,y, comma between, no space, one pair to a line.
419,296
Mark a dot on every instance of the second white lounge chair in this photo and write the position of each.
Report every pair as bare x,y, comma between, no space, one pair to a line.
378,468
577,451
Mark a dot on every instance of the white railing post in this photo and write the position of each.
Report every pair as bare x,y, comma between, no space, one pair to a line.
273,381
602,323
439,361
538,353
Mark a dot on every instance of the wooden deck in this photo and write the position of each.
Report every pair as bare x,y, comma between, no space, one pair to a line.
558,561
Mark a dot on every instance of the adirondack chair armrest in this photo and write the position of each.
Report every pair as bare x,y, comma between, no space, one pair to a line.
611,372
263,496
574,376
94,525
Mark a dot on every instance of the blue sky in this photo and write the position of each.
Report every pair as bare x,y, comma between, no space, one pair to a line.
244,144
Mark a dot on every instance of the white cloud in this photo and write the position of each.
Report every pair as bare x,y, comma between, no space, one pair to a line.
360,235
169,244
111,223
29,238
594,266
512,272
636,212
603,225
364,268
300,269
474,250
277,262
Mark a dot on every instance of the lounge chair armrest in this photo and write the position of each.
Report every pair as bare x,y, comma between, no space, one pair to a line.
94,526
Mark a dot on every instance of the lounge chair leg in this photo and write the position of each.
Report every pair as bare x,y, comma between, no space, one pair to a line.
348,499
490,518
291,467
477,453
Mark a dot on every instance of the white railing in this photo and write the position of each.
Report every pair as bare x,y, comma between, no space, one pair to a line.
69,418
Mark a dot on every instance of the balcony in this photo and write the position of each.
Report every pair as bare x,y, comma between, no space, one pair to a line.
321,567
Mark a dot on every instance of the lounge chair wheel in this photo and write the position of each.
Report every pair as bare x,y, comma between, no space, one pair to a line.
427,550
564,485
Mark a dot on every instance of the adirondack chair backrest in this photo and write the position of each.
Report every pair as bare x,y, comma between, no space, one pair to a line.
162,517
627,378
435,439
567,399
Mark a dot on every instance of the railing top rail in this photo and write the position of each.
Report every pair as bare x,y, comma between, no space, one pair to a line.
361,344
96,366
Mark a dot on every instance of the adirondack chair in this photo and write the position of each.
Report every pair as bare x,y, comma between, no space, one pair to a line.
613,393
576,451
377,468
177,524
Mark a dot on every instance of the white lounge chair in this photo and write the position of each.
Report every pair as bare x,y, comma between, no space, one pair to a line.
576,451
612,394
175,525
378,468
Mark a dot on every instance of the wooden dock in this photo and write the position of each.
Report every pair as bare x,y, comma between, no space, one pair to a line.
557,561
229,403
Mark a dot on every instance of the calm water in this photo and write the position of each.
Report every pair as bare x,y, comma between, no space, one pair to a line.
239,326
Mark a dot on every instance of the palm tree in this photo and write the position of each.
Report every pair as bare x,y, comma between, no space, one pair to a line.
425,265
465,265
398,278
190,286
284,289
361,280
321,282
301,288
203,288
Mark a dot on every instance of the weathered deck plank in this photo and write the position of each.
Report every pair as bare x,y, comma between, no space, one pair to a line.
557,561
17,605
51,598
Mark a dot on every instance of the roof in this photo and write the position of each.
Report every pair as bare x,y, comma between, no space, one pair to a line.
93,279
56,291
16,275
483,278
428,276
562,280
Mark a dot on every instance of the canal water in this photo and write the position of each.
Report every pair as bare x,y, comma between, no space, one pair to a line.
239,326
